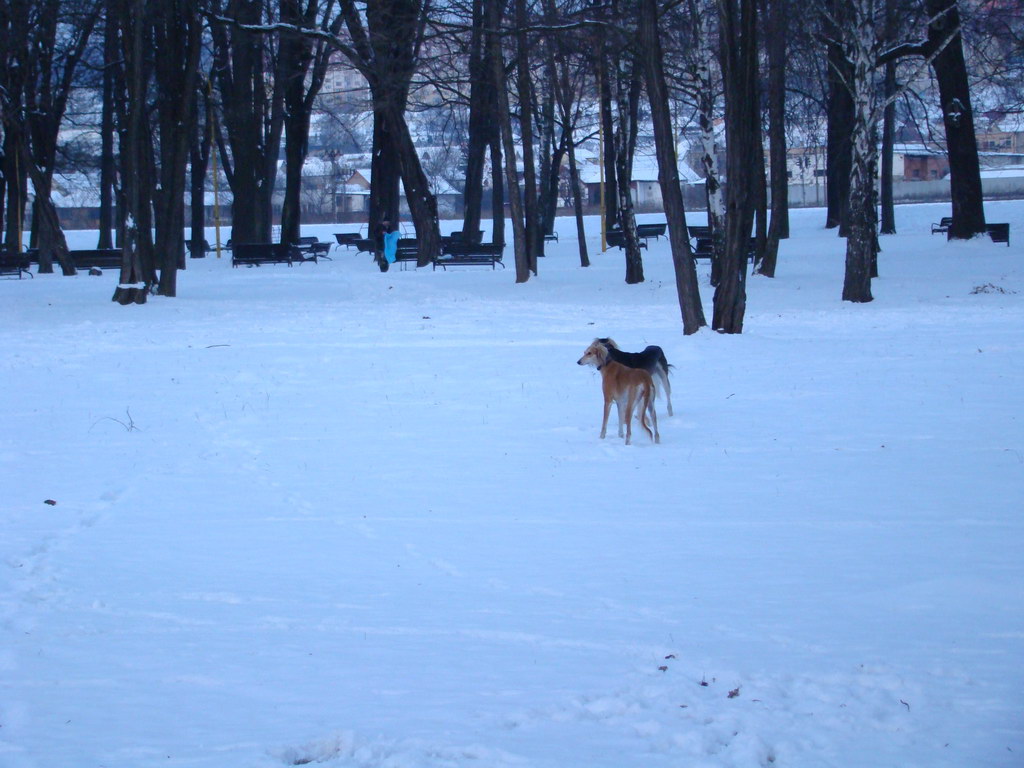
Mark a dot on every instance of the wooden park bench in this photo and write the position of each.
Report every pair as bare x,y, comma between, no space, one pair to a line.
551,237
703,248
650,230
460,236
365,245
103,258
347,239
312,248
257,254
1000,233
407,251
617,238
943,226
696,232
470,254
15,264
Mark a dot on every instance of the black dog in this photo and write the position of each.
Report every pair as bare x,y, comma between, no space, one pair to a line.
652,360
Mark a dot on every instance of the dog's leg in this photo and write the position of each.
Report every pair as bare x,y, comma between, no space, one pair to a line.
663,375
604,421
618,410
654,416
630,401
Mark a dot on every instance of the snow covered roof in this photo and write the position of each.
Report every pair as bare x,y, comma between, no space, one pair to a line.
1006,172
645,168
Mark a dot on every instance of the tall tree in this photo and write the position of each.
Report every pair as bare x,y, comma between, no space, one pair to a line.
482,125
177,38
137,270
624,81
567,82
525,98
861,51
494,17
302,64
946,45
668,170
738,53
112,75
839,116
52,36
777,36
253,113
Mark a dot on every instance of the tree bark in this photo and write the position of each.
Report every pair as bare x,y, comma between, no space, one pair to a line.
888,127
524,81
481,125
687,289
199,159
839,118
519,233
778,228
738,52
861,241
888,131
108,163
137,274
253,118
178,35
958,119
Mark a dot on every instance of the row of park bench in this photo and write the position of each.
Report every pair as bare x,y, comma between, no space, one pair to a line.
18,263
701,245
999,232
457,249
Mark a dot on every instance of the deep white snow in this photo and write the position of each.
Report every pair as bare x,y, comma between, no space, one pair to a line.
326,515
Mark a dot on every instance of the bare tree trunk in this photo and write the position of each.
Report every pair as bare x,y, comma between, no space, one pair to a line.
178,27
108,166
958,118
481,107
565,99
294,59
687,288
888,127
888,131
422,202
626,214
199,154
839,119
524,81
577,202
709,157
51,242
611,208
738,51
778,228
253,117
861,241
519,232
497,188
136,276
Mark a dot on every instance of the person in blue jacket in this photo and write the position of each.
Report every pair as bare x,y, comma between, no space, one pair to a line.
380,236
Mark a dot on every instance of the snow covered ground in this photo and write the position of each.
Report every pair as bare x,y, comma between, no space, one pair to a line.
326,515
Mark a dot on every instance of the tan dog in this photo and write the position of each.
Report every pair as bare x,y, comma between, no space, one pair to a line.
625,387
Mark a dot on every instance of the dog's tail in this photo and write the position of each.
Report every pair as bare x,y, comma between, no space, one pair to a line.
662,360
647,406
